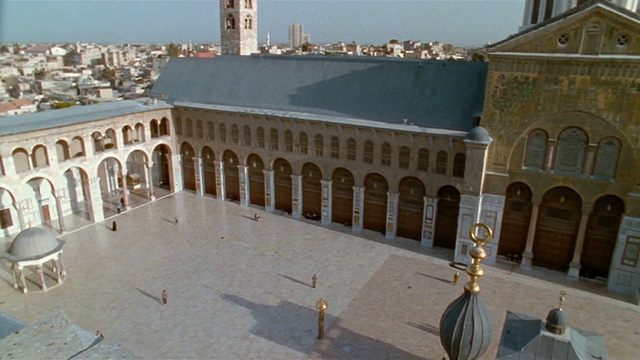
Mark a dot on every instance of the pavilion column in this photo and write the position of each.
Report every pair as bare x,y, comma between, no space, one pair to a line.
20,215
358,209
574,265
14,270
43,285
24,283
392,215
61,268
429,221
296,196
220,181
58,199
527,255
95,199
198,169
243,173
56,270
327,202
269,190
149,180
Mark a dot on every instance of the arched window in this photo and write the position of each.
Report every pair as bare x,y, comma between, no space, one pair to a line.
288,141
235,135
248,4
273,139
248,22
188,127
319,142
178,127
211,129
39,157
246,133
423,160
385,154
231,22
304,143
607,158
536,149
260,137
223,132
335,147
459,162
21,160
441,162
351,149
230,4
199,129
572,146
403,158
62,149
367,155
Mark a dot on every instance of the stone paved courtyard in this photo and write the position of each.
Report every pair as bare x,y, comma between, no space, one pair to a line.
240,289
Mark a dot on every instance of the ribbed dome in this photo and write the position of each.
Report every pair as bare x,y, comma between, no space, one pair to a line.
479,135
33,242
556,321
465,328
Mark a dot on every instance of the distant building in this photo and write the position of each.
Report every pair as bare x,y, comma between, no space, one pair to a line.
239,27
17,106
296,35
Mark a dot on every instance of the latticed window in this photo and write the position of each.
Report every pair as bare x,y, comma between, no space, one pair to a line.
246,134
211,130
572,146
304,143
222,129
368,152
536,149
319,142
260,135
273,139
288,141
178,126
459,162
351,149
199,129
189,127
607,158
335,147
404,157
385,154
235,135
441,162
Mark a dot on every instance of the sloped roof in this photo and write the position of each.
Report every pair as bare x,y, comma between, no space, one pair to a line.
427,93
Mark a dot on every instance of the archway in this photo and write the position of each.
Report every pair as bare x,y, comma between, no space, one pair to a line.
342,192
188,169
160,171
282,183
41,206
256,180
557,229
136,174
231,176
76,191
110,173
600,239
311,190
410,208
375,203
9,217
447,217
515,220
209,169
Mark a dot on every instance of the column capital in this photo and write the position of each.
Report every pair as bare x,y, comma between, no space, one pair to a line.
587,209
536,200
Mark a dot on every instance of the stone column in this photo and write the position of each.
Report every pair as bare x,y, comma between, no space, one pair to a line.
24,283
269,190
392,215
429,221
327,201
358,209
551,144
94,198
58,199
176,171
221,189
245,191
149,181
125,193
43,285
296,195
113,177
18,209
574,265
469,215
197,168
527,255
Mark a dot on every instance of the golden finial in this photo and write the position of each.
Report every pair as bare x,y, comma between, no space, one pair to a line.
477,253
562,294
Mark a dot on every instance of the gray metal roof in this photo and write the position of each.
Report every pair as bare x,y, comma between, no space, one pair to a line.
75,115
427,93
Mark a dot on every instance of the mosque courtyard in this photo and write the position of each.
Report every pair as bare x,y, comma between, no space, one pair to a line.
241,289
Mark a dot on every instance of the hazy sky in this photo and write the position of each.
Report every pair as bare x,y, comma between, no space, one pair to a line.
459,22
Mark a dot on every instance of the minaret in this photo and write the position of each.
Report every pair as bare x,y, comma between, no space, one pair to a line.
239,27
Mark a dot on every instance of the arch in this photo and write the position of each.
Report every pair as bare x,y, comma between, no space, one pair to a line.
600,240
447,217
311,190
404,157
155,128
385,154
188,169
76,190
351,149
273,138
607,158
43,198
231,175
256,180
246,134
318,141
110,140
229,3
98,141
557,228
235,134
571,150
199,129
21,160
248,4
282,183
335,147
516,218
127,135
160,170
8,213
163,129
178,127
260,136
288,141
248,22
39,157
375,202
136,173
423,160
211,130
304,143
459,163
62,151
77,147
188,127
442,160
139,135
536,149
230,22
209,169
342,196
410,208
367,153
222,129
110,172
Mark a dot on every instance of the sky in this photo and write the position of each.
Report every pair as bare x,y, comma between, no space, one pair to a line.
458,22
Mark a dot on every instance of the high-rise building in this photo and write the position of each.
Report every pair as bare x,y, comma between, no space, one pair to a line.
238,27
296,35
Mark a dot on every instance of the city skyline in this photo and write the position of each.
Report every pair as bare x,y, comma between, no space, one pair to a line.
462,23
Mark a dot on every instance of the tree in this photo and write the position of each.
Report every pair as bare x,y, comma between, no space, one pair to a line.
305,46
4,49
174,50
393,41
107,74
477,57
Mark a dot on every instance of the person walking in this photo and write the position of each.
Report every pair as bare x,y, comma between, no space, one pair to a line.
165,297
314,279
175,220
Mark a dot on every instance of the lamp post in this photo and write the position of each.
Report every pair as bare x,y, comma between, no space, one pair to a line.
321,305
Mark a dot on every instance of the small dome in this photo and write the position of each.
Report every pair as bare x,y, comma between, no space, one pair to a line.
556,321
480,135
33,242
